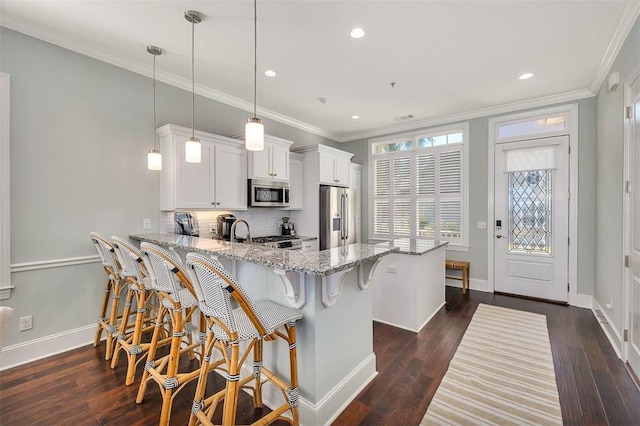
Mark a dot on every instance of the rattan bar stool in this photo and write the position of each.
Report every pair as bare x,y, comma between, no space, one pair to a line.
252,322
112,289
171,283
130,335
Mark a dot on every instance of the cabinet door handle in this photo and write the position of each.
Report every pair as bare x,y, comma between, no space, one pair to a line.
218,203
336,180
213,203
275,174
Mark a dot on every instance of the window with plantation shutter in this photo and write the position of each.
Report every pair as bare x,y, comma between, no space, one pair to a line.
418,187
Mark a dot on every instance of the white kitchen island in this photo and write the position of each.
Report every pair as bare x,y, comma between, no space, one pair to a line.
409,285
331,289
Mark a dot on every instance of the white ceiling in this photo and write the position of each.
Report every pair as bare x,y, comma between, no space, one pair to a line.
449,59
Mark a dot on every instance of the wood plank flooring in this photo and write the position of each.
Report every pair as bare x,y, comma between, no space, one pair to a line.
79,388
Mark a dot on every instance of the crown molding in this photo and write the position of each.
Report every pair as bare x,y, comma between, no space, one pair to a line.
483,112
630,14
31,29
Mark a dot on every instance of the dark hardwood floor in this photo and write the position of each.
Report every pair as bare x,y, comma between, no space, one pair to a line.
79,388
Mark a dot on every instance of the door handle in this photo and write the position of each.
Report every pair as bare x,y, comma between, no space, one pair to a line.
498,236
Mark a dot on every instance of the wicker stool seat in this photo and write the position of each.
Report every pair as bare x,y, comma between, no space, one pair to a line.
252,322
458,265
129,338
171,284
112,289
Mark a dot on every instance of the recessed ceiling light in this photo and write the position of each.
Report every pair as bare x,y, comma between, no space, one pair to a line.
357,33
525,76
355,117
270,73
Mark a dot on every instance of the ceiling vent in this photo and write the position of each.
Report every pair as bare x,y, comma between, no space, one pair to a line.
404,117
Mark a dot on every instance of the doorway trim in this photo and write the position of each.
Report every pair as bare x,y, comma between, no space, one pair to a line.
571,130
626,219
5,188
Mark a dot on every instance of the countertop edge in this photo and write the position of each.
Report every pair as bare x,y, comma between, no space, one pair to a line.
229,254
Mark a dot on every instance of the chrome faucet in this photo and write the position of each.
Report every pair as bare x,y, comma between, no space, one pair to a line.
233,230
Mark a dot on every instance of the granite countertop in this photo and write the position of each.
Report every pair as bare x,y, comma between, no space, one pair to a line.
318,263
414,246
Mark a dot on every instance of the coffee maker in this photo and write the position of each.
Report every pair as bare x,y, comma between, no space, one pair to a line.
224,223
287,227
186,224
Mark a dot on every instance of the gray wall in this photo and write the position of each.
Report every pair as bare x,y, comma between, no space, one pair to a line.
609,182
80,131
478,195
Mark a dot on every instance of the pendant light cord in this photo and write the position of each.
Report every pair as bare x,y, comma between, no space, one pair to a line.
255,55
193,92
154,103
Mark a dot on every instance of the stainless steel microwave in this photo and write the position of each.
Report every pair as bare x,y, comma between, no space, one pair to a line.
266,193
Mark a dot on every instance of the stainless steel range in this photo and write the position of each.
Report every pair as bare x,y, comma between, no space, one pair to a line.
288,242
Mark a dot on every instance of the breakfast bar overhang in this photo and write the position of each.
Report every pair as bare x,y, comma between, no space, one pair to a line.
331,289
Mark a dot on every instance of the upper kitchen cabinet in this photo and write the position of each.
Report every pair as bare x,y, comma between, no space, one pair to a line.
333,164
272,163
296,191
219,181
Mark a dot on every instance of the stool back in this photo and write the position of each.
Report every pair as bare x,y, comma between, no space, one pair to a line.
217,286
130,259
107,254
167,273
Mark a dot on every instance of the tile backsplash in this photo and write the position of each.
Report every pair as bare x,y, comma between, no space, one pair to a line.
263,221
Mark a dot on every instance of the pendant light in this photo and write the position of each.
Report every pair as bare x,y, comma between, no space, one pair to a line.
192,148
254,130
154,158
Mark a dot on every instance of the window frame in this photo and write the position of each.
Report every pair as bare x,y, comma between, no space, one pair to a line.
458,244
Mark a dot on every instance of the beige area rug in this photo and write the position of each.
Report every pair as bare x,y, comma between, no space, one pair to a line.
501,374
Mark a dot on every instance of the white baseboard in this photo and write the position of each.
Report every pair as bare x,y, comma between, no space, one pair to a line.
333,403
474,284
33,350
610,330
584,301
408,328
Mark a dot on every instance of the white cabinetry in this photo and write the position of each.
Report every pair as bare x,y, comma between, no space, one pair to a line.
272,163
322,165
334,166
219,181
309,245
355,182
296,192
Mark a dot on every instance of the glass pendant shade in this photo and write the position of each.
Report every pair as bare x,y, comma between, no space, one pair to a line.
192,150
254,135
154,160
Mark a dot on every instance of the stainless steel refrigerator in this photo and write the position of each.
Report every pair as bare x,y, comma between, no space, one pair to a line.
337,217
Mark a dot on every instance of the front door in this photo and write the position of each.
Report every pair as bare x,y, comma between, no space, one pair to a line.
531,223
633,227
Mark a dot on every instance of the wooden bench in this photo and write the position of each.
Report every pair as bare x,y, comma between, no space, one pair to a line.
458,265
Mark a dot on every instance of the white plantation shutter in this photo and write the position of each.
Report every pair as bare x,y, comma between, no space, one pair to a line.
402,176
402,217
426,174
420,193
450,215
382,177
426,218
450,172
382,182
381,217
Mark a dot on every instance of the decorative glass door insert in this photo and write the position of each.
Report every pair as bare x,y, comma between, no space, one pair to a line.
529,215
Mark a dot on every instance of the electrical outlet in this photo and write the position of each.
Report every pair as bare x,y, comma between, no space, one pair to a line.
26,323
146,223
392,269
482,225
609,305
